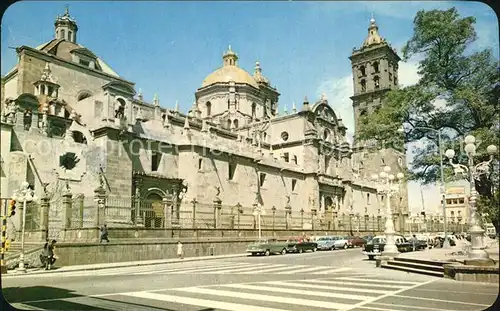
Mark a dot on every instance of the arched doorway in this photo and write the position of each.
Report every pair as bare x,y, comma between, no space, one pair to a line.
153,210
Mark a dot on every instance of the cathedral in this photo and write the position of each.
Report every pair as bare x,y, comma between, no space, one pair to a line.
69,121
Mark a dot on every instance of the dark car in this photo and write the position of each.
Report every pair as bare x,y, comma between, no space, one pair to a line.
300,245
356,241
376,246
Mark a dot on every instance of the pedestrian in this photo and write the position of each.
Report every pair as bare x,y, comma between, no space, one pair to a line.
104,234
180,252
48,254
414,242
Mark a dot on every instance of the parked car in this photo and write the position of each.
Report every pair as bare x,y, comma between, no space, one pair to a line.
342,242
326,243
356,241
376,246
267,247
300,245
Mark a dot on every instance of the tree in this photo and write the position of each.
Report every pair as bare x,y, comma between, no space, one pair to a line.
458,94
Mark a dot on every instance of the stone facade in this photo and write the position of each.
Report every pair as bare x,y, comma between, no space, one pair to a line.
70,122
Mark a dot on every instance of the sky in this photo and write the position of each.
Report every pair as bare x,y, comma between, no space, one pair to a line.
169,48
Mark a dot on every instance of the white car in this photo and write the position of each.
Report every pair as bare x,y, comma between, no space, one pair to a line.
341,242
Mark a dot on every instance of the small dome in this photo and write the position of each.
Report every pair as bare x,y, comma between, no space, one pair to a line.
226,74
229,72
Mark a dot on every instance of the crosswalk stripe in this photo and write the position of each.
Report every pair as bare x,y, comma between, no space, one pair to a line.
347,289
379,281
296,291
246,269
278,269
287,300
194,268
200,302
292,271
339,282
213,270
329,271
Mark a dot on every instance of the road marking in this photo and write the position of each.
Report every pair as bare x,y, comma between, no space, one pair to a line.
378,281
382,309
347,289
311,269
189,269
252,269
277,269
335,282
387,295
440,300
456,292
337,270
259,297
410,306
212,269
296,291
199,302
22,306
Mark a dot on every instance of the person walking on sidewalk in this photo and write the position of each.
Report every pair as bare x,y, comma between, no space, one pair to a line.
104,234
180,252
414,242
48,254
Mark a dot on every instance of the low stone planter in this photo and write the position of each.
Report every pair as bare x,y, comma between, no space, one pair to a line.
469,273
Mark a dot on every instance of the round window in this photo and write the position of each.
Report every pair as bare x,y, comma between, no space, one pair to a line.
284,136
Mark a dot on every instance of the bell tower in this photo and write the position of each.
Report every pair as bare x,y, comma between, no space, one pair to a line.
374,71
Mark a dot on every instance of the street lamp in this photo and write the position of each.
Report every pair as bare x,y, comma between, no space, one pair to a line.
446,243
25,195
386,180
474,171
259,211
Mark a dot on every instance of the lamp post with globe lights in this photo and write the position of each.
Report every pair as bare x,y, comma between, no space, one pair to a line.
446,243
259,211
386,180
477,252
25,195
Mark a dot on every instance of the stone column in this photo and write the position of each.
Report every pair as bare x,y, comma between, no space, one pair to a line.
137,199
167,211
67,201
100,199
217,208
314,212
44,216
194,202
34,119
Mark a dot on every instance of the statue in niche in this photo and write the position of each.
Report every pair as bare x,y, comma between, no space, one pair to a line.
10,110
120,111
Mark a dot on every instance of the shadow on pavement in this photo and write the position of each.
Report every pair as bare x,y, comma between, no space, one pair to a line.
53,298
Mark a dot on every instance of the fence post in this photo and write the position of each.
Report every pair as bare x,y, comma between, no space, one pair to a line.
100,199
240,211
288,215
274,217
67,201
44,216
167,212
217,207
301,218
313,213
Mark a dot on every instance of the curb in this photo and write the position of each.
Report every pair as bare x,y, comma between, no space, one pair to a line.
136,264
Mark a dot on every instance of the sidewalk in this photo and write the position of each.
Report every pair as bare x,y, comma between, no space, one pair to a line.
121,264
455,253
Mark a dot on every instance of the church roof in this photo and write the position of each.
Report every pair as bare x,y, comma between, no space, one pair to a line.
230,72
64,50
373,35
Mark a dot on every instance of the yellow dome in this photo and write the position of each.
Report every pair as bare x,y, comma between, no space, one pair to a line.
230,72
226,74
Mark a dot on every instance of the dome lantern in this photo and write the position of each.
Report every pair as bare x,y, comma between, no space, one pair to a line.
66,27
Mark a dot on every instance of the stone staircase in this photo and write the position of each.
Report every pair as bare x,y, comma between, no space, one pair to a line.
420,266
31,254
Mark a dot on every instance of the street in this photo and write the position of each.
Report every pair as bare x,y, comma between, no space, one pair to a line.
331,280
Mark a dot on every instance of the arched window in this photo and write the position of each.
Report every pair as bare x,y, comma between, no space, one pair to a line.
253,110
209,108
363,85
70,36
228,104
375,67
326,134
79,138
84,95
63,34
235,123
376,81
228,124
362,70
